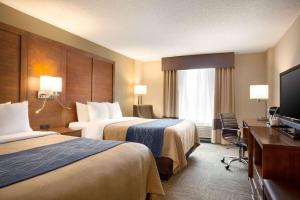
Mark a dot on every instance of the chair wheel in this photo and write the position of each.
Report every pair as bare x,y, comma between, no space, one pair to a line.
227,167
223,160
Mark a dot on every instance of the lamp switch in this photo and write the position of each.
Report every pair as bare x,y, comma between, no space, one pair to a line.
44,95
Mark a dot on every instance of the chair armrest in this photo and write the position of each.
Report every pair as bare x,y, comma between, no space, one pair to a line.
235,129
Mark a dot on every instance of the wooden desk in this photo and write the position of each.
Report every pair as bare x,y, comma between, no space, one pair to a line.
251,123
272,156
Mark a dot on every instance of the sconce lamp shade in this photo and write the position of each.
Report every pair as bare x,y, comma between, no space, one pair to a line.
56,84
140,89
259,91
44,83
49,83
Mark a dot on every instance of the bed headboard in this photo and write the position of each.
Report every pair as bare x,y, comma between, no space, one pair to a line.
25,56
10,66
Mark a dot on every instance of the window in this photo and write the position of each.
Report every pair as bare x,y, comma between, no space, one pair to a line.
196,91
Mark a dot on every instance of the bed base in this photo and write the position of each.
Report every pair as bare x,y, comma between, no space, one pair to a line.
165,165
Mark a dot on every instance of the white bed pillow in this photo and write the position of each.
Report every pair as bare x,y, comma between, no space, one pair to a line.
98,111
82,112
14,118
114,110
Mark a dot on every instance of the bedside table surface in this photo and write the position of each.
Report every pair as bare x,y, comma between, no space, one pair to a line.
61,130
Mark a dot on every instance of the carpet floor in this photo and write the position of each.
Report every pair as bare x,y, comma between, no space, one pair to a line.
206,177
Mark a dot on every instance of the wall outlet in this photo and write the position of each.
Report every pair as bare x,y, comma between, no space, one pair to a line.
44,126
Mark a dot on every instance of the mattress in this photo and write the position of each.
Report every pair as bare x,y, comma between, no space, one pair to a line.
127,171
178,139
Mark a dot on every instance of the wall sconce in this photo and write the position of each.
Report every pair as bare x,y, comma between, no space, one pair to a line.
140,90
50,88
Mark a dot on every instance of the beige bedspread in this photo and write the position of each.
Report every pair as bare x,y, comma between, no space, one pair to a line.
178,139
127,171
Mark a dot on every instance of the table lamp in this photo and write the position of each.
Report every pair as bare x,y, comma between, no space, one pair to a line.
260,93
140,90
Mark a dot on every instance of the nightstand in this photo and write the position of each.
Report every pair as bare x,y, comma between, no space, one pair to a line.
66,131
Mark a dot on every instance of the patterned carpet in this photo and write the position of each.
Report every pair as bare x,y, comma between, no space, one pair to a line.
206,178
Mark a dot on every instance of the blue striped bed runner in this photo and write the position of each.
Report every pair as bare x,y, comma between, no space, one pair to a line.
151,134
19,166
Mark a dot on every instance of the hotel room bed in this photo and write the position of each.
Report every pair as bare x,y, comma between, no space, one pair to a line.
126,171
179,140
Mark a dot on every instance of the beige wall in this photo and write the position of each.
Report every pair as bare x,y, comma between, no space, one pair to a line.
153,77
285,55
124,71
150,74
250,69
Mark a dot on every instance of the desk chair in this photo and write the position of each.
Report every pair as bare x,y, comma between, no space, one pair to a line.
231,133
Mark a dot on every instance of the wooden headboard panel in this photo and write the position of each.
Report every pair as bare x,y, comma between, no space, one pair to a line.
103,78
24,57
79,82
44,57
10,68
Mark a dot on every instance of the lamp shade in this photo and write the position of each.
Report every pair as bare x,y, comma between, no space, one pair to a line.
259,91
140,89
49,83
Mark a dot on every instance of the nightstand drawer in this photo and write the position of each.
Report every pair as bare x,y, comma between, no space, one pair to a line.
66,131
75,133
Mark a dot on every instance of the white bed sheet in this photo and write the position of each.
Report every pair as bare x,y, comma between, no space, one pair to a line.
94,130
24,135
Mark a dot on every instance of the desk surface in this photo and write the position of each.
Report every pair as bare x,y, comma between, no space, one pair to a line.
273,138
270,137
254,122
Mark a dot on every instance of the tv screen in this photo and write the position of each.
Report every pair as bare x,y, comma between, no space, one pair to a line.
290,93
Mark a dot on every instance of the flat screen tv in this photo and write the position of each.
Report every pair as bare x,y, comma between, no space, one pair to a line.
290,94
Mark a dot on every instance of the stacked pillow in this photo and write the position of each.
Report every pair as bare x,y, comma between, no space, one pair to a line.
82,112
98,111
114,110
14,118
93,111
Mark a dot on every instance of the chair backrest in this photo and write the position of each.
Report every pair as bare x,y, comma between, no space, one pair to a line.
144,111
229,121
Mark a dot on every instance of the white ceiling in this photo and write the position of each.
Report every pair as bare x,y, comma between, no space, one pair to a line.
151,29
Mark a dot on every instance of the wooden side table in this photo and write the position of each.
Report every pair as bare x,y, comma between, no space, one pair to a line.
66,131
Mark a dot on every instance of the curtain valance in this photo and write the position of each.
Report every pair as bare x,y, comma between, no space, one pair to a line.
216,60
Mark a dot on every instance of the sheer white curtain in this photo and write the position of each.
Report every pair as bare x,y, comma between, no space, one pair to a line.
196,93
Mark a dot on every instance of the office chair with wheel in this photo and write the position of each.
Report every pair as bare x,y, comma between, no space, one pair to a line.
231,133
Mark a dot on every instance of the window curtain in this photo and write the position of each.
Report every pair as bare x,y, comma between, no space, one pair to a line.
196,90
170,93
223,100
